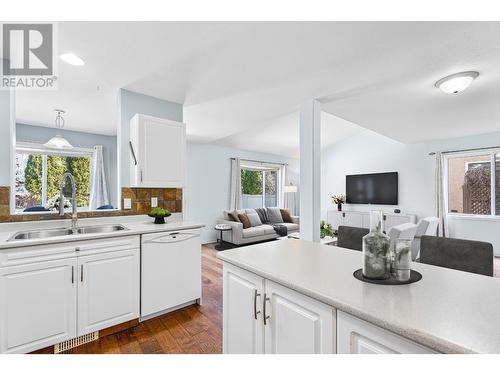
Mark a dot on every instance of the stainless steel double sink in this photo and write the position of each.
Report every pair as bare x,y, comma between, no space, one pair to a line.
58,232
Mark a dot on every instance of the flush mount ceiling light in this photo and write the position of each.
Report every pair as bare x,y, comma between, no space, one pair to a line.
457,82
58,142
72,59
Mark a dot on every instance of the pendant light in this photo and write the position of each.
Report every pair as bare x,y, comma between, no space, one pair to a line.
58,142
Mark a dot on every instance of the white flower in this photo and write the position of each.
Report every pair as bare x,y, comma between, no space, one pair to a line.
53,203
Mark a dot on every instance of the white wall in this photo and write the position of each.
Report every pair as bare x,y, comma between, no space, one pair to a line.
5,135
370,152
207,189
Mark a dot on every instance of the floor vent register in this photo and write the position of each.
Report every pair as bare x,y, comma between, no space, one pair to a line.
77,341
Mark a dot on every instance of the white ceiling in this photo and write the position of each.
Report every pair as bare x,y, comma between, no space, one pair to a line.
242,83
281,136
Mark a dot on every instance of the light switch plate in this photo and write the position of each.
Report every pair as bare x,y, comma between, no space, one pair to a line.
127,204
154,202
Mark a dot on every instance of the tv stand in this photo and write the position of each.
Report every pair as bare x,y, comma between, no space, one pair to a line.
361,219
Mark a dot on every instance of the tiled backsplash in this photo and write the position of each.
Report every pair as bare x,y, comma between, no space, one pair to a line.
169,198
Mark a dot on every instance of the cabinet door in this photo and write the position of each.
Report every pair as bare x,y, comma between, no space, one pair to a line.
242,318
356,336
353,219
37,305
297,324
392,220
162,149
108,289
335,218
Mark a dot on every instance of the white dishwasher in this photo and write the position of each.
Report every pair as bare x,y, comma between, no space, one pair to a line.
170,271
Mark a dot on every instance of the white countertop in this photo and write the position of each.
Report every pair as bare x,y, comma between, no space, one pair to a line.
140,224
449,311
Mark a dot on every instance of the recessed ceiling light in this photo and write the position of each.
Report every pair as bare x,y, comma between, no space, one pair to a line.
72,59
457,82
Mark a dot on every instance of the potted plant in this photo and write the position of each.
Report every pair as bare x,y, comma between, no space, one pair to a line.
338,199
53,203
159,214
326,230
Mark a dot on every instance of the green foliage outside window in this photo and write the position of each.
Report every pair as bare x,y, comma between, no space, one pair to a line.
33,177
251,182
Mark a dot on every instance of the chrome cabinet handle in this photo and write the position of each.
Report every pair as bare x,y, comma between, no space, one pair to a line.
255,295
264,309
72,274
81,273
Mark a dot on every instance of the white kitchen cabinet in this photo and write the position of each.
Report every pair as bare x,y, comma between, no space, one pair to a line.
45,298
108,289
297,324
171,271
356,336
243,331
294,323
158,152
37,305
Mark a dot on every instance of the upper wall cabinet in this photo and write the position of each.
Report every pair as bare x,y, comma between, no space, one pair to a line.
158,152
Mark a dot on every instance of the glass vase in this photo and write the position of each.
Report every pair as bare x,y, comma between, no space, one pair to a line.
401,258
376,250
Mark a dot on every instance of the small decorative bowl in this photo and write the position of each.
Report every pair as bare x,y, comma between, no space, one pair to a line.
159,219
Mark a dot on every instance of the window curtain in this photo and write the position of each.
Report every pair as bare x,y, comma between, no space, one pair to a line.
281,187
440,196
98,187
235,192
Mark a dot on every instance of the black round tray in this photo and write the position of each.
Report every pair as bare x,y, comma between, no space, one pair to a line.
414,277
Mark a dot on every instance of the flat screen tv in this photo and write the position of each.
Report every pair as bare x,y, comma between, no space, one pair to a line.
373,188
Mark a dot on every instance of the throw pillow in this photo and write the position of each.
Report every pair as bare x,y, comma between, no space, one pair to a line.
254,219
244,220
233,216
285,214
274,215
263,215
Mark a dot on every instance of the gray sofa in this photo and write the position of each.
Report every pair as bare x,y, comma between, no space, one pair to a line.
240,236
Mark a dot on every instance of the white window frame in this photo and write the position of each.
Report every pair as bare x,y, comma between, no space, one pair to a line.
39,149
492,153
264,166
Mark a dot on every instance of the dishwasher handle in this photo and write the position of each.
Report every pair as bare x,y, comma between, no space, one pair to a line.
172,237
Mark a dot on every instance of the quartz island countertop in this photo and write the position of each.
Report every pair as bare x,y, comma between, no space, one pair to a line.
449,311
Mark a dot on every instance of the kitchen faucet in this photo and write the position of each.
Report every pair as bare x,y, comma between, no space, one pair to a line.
74,215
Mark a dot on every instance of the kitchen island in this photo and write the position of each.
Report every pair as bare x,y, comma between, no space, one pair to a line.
303,297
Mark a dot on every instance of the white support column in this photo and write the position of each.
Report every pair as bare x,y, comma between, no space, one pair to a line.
310,169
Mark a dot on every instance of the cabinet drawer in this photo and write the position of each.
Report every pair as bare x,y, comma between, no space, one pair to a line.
37,253
356,336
